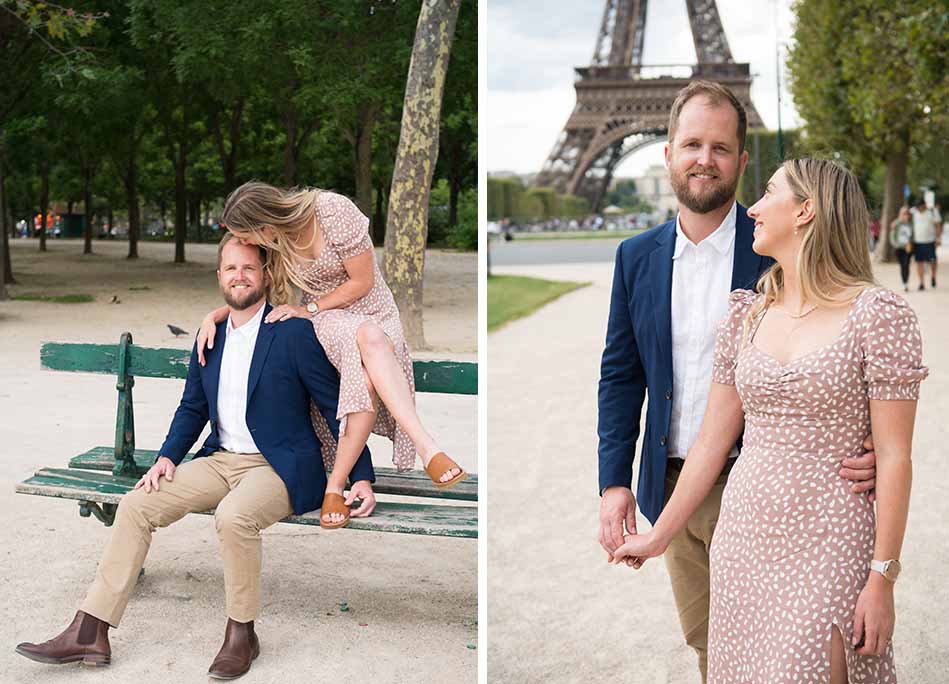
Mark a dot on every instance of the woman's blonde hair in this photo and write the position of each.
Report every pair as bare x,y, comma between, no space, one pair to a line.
255,206
833,264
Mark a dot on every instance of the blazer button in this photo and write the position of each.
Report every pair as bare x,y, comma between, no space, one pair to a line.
669,395
662,441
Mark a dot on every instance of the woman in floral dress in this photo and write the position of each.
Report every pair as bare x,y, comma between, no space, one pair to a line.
803,568
318,243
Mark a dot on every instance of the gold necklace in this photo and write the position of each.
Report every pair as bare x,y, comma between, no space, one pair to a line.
800,315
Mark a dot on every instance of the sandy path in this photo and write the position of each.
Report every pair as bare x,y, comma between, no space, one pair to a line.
417,595
557,611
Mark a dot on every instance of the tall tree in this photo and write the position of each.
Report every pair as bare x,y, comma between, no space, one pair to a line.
404,261
869,79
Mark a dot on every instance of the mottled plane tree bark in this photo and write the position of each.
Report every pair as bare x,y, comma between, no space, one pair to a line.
407,225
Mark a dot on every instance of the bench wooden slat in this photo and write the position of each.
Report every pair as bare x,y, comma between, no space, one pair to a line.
389,516
445,377
388,480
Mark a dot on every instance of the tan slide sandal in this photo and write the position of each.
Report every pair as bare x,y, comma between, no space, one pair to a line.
441,464
334,503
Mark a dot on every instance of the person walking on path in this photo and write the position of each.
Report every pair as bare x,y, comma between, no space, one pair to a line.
670,290
901,240
803,570
927,231
260,463
318,242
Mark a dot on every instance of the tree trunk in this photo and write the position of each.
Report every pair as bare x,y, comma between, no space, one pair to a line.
5,265
44,201
407,228
87,204
229,156
131,201
181,204
379,218
893,184
362,156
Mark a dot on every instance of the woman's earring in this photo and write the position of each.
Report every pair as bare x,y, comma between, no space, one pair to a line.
796,228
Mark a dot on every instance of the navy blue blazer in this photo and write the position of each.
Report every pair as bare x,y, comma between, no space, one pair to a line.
287,370
638,356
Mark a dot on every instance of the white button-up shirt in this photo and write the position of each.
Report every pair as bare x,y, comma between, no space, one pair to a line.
701,283
232,385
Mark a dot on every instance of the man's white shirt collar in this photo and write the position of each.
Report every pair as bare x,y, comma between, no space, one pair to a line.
721,238
250,328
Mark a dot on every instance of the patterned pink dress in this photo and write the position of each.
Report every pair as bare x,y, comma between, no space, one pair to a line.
345,235
793,544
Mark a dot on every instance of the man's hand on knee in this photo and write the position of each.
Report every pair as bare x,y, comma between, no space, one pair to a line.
164,467
617,506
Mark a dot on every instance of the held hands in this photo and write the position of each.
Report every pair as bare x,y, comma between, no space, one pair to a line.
638,547
875,617
361,489
163,467
617,516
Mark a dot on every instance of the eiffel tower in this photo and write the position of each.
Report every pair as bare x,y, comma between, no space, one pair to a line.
620,109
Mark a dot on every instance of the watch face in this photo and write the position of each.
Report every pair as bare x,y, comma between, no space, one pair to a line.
892,569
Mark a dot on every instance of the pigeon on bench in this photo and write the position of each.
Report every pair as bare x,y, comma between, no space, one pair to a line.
176,331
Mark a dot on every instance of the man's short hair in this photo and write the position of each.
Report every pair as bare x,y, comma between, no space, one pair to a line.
228,237
718,95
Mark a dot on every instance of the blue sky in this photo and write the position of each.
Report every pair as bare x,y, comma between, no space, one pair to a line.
533,45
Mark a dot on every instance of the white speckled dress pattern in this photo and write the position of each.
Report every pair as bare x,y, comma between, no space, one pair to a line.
346,234
793,544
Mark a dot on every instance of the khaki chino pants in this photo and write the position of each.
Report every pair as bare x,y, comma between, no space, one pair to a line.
688,564
249,496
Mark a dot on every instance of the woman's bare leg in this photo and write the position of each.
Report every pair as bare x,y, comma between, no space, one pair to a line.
358,428
378,357
838,662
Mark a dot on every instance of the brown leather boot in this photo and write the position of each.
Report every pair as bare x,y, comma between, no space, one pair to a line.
86,639
238,651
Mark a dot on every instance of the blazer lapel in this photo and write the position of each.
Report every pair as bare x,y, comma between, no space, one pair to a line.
261,349
747,263
212,368
660,275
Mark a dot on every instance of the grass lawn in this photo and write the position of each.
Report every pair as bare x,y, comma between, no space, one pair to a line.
56,299
513,297
578,235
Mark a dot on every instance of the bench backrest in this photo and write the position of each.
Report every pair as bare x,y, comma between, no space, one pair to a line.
127,360
444,377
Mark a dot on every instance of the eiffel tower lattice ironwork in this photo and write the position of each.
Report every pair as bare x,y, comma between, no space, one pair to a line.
620,109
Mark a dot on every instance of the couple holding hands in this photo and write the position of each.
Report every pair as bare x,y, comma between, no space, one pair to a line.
761,331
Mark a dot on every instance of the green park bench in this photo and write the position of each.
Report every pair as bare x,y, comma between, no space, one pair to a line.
99,477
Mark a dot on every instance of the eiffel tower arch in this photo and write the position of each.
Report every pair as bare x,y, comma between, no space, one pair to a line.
621,109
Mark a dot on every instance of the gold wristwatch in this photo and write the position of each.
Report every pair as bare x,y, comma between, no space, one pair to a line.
890,569
313,308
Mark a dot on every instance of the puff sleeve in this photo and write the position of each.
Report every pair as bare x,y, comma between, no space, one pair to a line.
892,348
345,227
730,331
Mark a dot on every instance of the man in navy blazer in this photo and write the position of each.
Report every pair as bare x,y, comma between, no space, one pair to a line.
670,291
261,462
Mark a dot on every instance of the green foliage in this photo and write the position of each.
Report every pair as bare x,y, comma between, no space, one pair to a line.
763,161
508,198
464,234
54,299
232,89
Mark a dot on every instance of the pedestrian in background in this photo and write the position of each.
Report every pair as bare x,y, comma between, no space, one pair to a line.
901,240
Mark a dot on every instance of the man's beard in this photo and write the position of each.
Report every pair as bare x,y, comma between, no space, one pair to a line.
712,198
247,299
